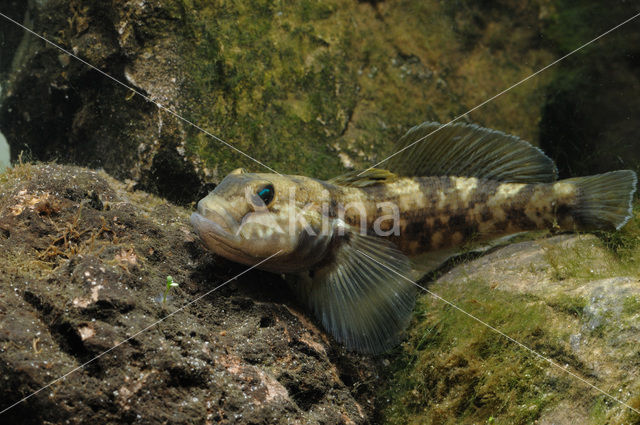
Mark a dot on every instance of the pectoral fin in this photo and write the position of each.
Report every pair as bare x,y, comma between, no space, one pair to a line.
359,295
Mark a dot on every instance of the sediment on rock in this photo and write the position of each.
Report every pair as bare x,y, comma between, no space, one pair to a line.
84,263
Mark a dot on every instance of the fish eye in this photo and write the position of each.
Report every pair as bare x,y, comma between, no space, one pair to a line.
266,193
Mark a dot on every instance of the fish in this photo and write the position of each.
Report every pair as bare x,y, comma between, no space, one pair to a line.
350,247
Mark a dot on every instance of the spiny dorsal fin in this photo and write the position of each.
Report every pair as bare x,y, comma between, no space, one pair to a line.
370,177
362,303
468,150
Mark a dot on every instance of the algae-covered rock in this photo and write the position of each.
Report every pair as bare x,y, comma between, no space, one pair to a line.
83,265
84,261
568,298
310,87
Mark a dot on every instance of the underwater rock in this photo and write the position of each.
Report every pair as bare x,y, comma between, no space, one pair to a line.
83,265
567,297
309,87
84,261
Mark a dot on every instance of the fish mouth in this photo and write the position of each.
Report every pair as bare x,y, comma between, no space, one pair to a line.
217,236
203,226
215,222
219,233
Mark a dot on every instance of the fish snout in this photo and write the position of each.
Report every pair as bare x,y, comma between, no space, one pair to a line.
213,218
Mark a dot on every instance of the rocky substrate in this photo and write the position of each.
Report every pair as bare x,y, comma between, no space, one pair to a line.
83,265
569,298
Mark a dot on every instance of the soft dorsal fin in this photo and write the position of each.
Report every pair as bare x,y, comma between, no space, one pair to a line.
369,177
468,150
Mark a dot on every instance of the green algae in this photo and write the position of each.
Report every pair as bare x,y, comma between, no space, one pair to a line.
453,369
618,254
632,305
573,305
456,370
266,80
317,87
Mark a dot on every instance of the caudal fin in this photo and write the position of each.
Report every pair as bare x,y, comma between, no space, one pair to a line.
605,200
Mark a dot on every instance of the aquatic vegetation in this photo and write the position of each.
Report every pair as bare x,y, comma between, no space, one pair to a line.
576,305
170,284
454,370
316,87
620,256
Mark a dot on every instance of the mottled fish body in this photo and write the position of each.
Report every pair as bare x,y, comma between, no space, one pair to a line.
348,245
439,213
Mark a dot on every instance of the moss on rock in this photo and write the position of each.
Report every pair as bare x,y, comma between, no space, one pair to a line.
309,87
569,298
313,87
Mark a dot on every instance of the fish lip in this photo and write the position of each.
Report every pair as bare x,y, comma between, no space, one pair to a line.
219,229
218,239
217,214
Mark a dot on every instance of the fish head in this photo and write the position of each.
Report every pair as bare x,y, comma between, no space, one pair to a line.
249,217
